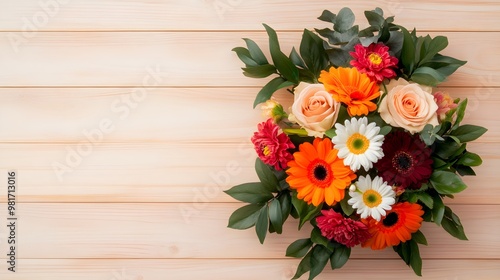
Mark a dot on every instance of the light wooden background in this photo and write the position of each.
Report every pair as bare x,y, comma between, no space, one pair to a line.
145,201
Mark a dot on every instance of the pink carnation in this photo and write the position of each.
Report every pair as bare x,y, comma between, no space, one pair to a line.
272,146
343,230
445,103
375,61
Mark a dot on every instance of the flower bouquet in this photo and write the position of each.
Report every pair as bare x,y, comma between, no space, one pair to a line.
369,148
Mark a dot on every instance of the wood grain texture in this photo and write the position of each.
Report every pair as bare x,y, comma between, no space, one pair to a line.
79,15
145,106
169,115
245,269
189,230
124,58
164,172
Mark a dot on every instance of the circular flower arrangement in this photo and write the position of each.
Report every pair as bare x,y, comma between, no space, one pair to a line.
369,148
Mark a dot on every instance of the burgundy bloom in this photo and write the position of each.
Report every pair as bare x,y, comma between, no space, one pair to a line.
407,160
375,61
343,230
271,145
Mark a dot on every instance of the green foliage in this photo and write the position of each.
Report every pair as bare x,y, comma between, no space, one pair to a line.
299,248
305,211
451,223
445,182
421,61
409,252
342,38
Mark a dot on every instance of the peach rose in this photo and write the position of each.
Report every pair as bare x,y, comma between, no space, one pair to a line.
408,105
314,109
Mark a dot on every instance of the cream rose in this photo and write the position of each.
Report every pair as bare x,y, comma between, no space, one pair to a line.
314,109
408,105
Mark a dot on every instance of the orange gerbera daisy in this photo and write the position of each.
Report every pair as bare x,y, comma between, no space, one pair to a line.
354,89
397,226
318,174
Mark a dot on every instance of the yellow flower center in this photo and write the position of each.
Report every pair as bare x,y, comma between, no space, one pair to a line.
358,143
375,58
372,198
266,151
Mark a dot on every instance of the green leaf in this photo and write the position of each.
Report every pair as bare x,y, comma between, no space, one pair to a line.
319,259
299,248
427,76
470,159
255,52
276,216
438,209
340,257
286,205
445,182
419,237
271,87
446,149
305,211
415,259
408,51
468,132
464,170
266,176
332,132
346,207
327,16
262,224
451,223
460,113
284,64
245,56
344,20
296,59
374,18
250,192
318,238
385,130
260,71
313,53
437,44
244,217
426,199
304,266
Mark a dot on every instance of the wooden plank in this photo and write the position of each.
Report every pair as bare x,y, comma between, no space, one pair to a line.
77,15
246,269
157,172
173,230
98,58
58,115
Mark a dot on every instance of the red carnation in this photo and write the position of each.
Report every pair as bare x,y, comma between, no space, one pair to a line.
375,61
407,160
272,146
343,230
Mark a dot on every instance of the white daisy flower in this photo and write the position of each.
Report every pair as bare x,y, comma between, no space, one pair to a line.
371,198
358,143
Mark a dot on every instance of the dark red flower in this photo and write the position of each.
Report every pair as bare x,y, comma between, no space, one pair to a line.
407,161
272,146
375,61
343,230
